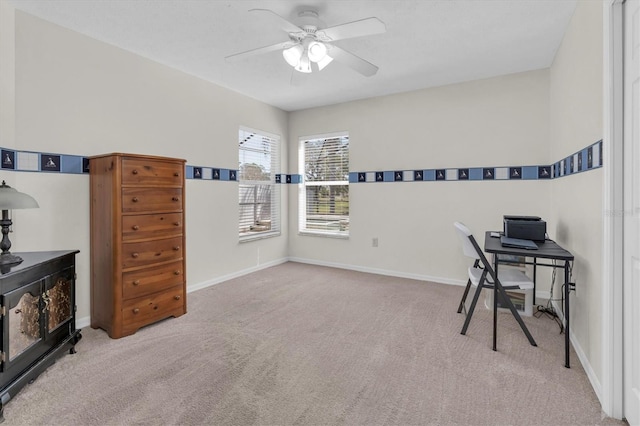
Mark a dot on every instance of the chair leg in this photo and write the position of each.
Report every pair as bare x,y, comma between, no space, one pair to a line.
467,320
464,296
466,290
515,314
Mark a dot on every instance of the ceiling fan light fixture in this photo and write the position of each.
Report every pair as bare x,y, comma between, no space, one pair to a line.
324,62
293,55
317,51
304,65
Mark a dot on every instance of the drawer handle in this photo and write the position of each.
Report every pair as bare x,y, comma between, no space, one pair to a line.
134,255
136,282
135,227
155,307
136,310
134,199
176,174
175,199
176,272
134,171
176,297
176,248
176,223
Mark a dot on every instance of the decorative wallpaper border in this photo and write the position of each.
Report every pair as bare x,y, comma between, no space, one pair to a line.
211,173
26,161
589,158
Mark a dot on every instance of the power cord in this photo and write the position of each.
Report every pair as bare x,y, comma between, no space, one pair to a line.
549,311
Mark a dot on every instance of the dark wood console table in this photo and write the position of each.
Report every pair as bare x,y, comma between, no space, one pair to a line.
37,317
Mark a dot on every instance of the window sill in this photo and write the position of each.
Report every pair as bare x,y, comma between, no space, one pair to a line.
261,236
323,234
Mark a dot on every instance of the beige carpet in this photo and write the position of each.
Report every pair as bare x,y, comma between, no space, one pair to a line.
307,345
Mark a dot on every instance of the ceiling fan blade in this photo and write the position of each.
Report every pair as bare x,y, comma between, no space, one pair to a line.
357,63
258,51
363,27
287,26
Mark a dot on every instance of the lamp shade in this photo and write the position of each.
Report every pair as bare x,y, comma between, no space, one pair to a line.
324,62
317,51
292,55
11,199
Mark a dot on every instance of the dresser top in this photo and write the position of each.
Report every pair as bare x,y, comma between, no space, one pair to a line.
141,156
34,258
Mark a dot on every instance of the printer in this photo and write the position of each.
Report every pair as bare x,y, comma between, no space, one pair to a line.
525,227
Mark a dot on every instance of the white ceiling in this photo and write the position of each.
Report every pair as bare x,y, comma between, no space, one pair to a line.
427,43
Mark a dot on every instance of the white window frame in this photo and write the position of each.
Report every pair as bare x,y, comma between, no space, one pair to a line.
342,231
272,227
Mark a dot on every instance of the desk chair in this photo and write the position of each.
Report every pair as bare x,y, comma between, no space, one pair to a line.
482,275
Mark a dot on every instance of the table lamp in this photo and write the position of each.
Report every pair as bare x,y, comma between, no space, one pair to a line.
11,199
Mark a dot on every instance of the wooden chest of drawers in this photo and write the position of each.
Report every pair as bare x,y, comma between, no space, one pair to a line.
137,241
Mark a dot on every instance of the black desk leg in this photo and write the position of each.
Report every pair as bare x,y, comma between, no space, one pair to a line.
566,314
535,264
495,307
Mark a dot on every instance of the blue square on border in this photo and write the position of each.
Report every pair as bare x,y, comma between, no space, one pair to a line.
71,164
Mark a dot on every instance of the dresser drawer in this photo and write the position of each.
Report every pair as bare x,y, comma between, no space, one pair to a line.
140,171
150,252
141,200
146,226
139,312
152,280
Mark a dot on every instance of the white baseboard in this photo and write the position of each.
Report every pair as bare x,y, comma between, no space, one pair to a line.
199,286
380,271
83,322
582,357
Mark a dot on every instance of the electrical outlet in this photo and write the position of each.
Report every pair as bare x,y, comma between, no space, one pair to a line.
374,242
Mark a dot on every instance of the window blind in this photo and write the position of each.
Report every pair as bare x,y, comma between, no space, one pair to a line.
324,197
259,195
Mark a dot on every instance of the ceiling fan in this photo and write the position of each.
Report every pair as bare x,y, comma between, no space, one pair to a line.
310,45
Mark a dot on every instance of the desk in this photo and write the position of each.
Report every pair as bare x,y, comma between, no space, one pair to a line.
546,250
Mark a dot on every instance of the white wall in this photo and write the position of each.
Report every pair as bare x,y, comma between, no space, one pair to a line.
66,93
501,121
7,75
77,96
577,213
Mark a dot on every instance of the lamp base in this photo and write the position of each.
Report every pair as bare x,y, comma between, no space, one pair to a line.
7,258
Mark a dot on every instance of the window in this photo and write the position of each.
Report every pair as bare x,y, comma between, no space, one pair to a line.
259,194
324,194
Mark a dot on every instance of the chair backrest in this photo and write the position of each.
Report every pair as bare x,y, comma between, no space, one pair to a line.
465,236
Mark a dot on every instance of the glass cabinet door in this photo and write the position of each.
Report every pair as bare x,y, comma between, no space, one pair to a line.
57,301
22,324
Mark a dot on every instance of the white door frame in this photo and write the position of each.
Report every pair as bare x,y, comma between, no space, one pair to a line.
612,384
631,250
